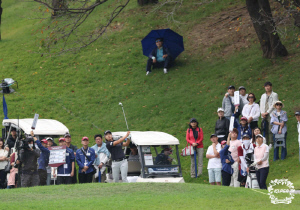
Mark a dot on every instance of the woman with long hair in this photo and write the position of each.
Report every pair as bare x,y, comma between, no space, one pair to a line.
194,137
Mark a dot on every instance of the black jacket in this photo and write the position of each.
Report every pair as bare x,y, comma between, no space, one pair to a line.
154,52
11,142
222,127
29,159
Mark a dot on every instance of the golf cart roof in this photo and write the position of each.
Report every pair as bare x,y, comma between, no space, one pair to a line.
43,126
149,137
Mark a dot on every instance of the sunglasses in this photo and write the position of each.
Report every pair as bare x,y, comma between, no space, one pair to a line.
250,97
278,104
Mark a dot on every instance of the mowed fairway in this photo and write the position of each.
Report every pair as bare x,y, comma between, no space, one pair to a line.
139,196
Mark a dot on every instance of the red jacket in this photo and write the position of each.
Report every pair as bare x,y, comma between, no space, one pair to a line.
190,137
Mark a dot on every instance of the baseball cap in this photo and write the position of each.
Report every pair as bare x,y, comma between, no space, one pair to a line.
193,120
84,138
168,149
106,132
220,109
231,87
212,135
244,118
49,139
297,113
61,139
242,87
259,135
223,142
67,135
246,136
44,141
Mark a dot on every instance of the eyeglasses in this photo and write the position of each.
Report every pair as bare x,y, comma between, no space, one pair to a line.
278,104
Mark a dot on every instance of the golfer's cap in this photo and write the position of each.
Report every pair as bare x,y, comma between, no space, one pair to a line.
244,118
61,139
106,132
193,120
213,135
220,109
268,83
44,141
223,142
242,87
67,135
84,138
246,136
297,113
49,139
259,135
231,87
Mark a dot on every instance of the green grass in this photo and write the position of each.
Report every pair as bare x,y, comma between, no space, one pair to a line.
139,196
83,90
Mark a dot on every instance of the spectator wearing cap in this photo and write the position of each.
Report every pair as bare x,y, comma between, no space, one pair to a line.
66,171
68,139
119,162
134,153
85,157
222,126
251,111
266,104
194,137
102,157
278,122
246,154
261,161
297,115
12,138
51,142
226,161
214,165
43,159
229,106
159,57
234,144
164,158
243,128
243,95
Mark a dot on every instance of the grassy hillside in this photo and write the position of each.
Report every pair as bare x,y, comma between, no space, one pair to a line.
139,196
83,90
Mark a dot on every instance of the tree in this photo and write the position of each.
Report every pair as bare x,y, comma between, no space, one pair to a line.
68,29
1,10
261,16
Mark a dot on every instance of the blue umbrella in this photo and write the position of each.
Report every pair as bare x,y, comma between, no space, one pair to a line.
172,40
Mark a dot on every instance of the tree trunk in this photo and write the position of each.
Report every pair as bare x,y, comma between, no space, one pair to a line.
144,2
261,16
1,10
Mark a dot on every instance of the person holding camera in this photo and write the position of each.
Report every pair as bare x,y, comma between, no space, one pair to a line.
28,160
85,157
43,159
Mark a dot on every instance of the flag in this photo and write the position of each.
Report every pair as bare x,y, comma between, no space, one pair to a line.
4,108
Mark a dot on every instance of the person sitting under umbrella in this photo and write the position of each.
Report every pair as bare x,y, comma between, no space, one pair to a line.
159,57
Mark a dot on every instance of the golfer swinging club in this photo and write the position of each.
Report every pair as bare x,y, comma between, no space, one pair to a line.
119,162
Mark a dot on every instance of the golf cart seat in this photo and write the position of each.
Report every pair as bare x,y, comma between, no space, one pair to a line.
134,167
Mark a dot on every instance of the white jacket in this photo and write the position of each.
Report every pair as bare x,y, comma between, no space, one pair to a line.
298,126
3,163
251,111
272,100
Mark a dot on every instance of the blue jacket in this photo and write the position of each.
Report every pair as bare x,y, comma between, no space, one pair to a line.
242,132
103,149
44,157
70,158
225,154
83,161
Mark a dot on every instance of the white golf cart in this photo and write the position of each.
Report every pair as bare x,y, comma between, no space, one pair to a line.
44,128
146,168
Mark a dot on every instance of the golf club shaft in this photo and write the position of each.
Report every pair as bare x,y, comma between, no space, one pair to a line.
125,118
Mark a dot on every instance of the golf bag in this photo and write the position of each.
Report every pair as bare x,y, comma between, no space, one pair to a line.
251,181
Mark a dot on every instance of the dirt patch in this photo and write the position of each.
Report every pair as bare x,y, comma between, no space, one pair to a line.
223,33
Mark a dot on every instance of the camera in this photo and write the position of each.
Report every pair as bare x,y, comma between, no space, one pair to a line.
24,143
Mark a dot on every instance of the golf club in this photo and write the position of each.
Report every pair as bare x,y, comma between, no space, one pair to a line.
124,115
